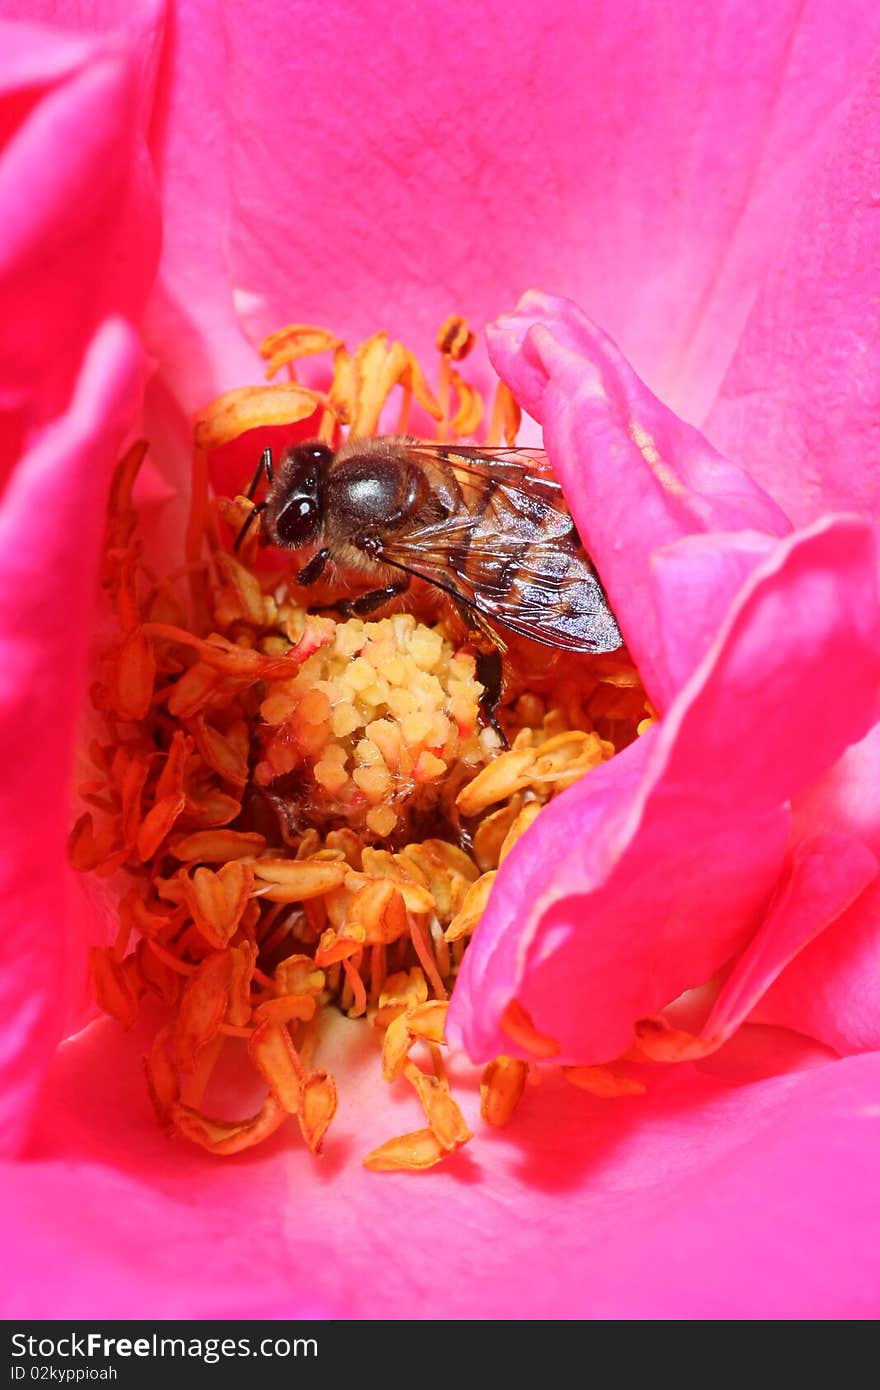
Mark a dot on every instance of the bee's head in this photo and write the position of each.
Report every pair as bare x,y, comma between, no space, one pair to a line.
294,505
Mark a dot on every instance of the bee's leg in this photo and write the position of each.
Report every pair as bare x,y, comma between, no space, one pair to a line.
490,649
264,466
490,674
369,602
247,523
314,569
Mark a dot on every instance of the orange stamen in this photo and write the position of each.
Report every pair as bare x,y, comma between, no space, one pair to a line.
517,1023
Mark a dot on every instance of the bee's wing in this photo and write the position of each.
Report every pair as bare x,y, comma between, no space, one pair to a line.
510,550
513,481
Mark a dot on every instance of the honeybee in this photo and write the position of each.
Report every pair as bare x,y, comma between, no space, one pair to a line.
489,527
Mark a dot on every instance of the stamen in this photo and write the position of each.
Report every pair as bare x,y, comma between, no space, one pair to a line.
454,338
409,1152
506,417
255,407
444,397
603,1081
289,344
517,1023
501,1090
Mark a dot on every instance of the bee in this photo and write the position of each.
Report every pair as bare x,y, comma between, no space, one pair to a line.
487,526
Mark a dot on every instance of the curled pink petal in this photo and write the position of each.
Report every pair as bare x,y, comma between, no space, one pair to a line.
51,524
831,990
34,60
636,477
692,815
77,251
827,875
83,243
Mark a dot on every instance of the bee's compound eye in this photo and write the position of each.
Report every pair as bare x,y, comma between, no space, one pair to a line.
297,522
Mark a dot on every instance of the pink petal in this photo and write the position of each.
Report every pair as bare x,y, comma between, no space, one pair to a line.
77,249
637,479
759,1050
644,164
50,531
191,324
33,62
82,244
78,30
800,404
831,990
677,842
334,215
698,1199
827,875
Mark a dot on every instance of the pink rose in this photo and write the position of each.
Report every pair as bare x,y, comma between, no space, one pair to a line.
701,182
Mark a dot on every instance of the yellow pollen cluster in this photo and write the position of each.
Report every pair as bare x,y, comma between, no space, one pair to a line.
307,811
374,722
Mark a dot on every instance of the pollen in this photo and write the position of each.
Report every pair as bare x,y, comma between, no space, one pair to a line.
307,812
372,724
